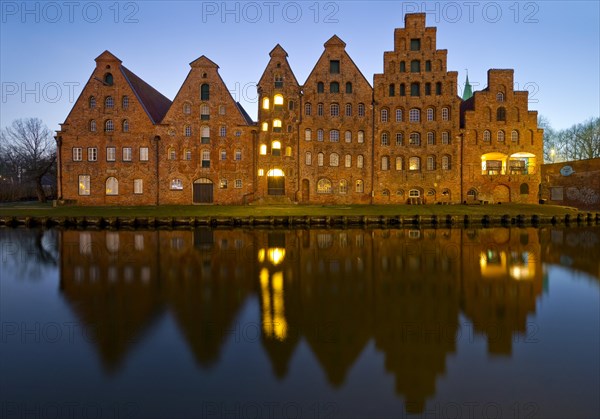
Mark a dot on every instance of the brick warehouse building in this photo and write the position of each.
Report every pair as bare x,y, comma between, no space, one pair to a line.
408,138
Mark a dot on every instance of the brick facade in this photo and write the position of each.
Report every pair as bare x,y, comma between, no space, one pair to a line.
573,183
335,139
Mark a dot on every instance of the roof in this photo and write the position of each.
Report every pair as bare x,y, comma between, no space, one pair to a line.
247,117
468,92
154,103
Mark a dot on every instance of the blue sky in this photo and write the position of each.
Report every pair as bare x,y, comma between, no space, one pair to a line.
47,49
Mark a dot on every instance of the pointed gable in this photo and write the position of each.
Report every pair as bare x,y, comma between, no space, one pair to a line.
278,58
334,42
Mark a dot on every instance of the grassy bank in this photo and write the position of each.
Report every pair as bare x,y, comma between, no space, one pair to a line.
46,210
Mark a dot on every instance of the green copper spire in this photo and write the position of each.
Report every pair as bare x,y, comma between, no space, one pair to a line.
468,92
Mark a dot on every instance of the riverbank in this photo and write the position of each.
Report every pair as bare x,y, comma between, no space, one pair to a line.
35,214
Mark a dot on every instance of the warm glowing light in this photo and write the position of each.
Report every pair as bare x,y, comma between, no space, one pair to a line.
261,255
263,149
265,126
275,172
276,123
276,145
266,104
278,100
276,255
261,172
493,263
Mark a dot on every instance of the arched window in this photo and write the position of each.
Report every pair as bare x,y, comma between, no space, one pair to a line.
307,109
320,135
385,139
361,109
334,87
428,65
266,103
446,162
430,162
360,161
348,109
399,138
276,148
320,87
399,163
171,153
334,160
187,108
205,159
348,87
445,137
108,79
187,131
308,158
125,102
264,126
263,150
384,115
307,134
109,102
112,186
125,126
445,114
205,92
487,136
360,137
288,151
524,189
109,125
278,100
320,159
399,115
343,186
348,160
414,115
430,114
472,194
334,136
500,136
93,125
385,163
204,112
501,114
431,138
334,109
319,109
414,138
360,186
324,186
277,125
187,154
92,102
348,136
499,97
205,134
514,136
392,89
414,193
414,163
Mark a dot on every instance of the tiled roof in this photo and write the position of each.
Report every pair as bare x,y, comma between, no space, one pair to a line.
155,104
249,120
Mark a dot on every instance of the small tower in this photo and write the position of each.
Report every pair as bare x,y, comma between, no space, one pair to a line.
468,92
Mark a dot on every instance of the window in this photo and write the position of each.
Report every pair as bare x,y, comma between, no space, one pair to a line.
334,160
402,66
415,66
77,154
187,131
360,137
223,184
499,97
112,186
445,137
334,109
324,186
84,184
92,153
414,138
109,125
334,66
288,151
278,81
143,153
187,154
360,186
204,135
291,105
402,89
348,87
343,186
360,160
277,125
223,154
171,154
319,135
472,194
438,88
430,114
278,100
427,65
427,89
307,109
361,109
430,162
501,114
399,163
187,108
108,79
334,87
109,102
206,159
263,150
445,114
348,160
385,163
385,139
500,136
92,125
384,115
320,158
514,136
399,138
415,89
431,138
415,44
348,136
308,158
92,102
392,90
398,115
237,155
176,184
125,102
307,134
334,136
414,115
125,125
319,109
138,186
265,126
320,87
221,110
276,148
446,162
348,109
222,131
111,153
204,112
414,163
238,183
205,92
487,136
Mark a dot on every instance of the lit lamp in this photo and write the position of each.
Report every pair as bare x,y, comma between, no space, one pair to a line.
552,154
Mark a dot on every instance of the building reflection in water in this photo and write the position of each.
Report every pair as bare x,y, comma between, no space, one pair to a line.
335,289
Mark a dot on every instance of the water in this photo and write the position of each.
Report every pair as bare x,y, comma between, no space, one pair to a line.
433,323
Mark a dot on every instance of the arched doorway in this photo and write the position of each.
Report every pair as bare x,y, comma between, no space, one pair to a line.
501,194
203,191
305,190
275,182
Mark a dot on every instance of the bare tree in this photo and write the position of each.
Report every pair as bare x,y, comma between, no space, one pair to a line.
29,151
580,141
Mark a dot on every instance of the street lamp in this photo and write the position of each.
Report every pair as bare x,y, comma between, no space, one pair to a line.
552,154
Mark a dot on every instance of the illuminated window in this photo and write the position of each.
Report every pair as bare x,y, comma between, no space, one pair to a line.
266,103
348,136
276,148
278,100
288,151
324,186
223,184
414,193
308,158
360,186
84,184
360,138
334,160
343,186
360,161
414,163
399,163
265,126
112,186
176,184
277,125
263,149
348,160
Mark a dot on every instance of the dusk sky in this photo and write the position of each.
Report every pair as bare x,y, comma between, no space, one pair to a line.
48,48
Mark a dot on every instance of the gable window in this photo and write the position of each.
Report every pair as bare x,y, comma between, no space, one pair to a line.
205,159
334,109
392,90
348,160
415,66
348,87
278,81
109,102
360,161
187,131
334,87
108,79
125,102
415,44
319,109
204,91
112,186
92,125
176,184
77,153
414,139
92,102
84,184
415,89
204,112
414,115
334,66
445,114
143,153
361,109
320,87
334,160
138,186
111,153
222,110
334,136
187,108
399,138
501,114
109,125
238,155
360,138
127,154
125,125
307,109
348,109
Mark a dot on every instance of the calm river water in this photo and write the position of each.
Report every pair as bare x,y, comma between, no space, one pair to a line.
429,323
